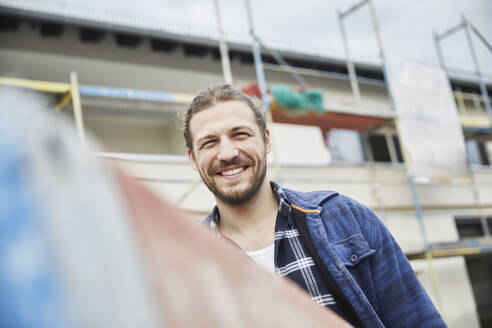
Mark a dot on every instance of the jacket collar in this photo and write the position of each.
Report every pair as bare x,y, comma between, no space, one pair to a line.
308,202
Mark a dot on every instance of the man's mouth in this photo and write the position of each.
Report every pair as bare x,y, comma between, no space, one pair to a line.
232,172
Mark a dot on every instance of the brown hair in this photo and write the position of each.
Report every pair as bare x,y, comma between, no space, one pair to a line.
213,95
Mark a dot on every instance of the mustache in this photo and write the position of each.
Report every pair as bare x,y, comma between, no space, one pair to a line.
236,161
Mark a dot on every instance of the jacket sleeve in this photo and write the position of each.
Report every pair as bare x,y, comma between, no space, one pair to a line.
402,301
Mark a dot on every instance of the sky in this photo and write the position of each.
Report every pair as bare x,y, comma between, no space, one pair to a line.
311,25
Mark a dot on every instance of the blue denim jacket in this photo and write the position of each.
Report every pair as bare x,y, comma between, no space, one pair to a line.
365,261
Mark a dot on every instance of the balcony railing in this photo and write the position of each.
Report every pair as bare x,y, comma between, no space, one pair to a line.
472,109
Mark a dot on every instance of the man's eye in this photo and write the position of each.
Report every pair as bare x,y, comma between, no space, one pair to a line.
241,135
208,143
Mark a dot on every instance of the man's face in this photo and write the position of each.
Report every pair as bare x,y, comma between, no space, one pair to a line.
229,151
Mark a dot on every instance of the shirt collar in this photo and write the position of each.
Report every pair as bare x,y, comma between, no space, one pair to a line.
283,207
283,201
214,219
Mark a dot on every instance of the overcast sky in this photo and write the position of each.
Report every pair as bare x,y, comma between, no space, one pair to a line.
311,25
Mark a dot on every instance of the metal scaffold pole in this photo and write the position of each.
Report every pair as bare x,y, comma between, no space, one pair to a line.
478,72
260,75
354,84
350,65
427,247
285,66
413,189
224,52
469,28
77,107
440,55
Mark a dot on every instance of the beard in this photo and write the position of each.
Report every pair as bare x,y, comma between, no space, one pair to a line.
238,197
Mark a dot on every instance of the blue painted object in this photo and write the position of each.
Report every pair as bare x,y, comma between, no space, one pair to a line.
29,288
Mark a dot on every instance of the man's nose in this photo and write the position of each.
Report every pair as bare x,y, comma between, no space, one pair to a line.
227,149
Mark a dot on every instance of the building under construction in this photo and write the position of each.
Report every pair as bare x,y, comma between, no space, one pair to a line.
334,126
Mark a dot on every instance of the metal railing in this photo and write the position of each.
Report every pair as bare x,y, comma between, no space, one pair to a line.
470,103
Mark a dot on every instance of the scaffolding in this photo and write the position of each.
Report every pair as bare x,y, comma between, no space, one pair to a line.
122,100
71,92
468,27
119,100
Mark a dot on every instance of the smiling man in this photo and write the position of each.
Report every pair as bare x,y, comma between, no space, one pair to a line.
333,247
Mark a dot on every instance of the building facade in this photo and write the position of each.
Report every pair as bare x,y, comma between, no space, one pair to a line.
133,81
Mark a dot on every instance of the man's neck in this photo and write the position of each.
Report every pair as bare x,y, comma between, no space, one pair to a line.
250,225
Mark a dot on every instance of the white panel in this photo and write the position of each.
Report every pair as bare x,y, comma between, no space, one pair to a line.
345,146
458,306
428,120
406,230
299,144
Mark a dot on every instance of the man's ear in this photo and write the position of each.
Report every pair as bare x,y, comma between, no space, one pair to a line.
192,159
268,143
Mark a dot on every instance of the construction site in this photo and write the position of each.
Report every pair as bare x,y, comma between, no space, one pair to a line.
412,141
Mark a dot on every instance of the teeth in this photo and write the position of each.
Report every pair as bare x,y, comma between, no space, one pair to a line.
233,171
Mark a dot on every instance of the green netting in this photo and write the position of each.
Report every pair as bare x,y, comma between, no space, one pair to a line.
300,101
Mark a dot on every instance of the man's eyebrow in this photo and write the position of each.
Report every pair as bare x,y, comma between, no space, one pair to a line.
233,129
240,127
208,136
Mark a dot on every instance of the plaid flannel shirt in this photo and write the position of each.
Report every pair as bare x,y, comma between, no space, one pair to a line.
291,258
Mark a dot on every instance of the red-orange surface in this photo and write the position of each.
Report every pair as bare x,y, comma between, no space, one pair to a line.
202,281
327,120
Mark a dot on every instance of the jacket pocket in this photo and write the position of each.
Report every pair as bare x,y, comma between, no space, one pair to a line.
353,250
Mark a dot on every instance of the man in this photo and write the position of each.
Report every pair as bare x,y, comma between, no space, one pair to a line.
330,245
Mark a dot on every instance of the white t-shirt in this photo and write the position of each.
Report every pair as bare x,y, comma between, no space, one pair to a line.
264,257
